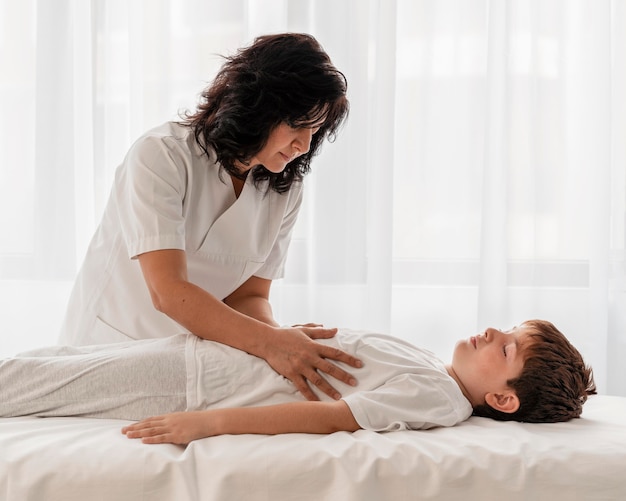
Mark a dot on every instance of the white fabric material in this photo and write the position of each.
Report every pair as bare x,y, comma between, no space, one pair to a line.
400,386
130,380
168,195
72,459
486,140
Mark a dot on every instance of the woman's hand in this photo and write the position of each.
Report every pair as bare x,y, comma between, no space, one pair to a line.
295,355
176,428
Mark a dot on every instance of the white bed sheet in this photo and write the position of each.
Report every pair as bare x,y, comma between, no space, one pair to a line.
73,459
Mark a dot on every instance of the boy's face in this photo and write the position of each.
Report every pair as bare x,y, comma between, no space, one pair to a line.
484,363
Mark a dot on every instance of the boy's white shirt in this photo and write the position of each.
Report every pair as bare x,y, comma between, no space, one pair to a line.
399,387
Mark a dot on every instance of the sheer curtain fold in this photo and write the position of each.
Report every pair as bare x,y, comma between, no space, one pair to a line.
492,298
480,179
380,134
616,328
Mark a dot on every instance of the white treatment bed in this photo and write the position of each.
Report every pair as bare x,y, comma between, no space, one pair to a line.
78,459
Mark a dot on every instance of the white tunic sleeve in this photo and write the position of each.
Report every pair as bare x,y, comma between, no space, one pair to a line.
150,194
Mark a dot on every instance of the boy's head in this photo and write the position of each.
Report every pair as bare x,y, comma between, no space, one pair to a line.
530,373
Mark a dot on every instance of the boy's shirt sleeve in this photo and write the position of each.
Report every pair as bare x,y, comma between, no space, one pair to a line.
410,401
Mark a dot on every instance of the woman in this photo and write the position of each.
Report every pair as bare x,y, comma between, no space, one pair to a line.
201,214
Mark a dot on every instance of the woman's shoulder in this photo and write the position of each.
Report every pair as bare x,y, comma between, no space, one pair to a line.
168,132
176,140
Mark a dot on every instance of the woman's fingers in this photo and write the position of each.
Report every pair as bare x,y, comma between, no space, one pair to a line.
334,370
306,362
303,387
313,371
330,353
317,331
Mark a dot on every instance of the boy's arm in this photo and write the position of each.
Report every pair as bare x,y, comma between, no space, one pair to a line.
296,417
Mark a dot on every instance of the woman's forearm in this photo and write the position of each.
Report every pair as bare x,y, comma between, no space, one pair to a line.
165,273
209,318
255,307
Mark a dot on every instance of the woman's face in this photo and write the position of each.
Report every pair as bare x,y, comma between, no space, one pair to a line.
284,144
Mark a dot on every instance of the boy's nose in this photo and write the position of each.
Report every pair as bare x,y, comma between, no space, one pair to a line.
491,333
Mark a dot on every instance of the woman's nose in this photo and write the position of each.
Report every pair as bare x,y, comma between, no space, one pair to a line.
303,140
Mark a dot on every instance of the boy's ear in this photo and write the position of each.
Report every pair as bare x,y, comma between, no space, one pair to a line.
506,402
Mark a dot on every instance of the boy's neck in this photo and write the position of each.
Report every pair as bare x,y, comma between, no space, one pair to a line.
454,376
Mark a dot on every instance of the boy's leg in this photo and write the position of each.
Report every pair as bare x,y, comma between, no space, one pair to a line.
125,381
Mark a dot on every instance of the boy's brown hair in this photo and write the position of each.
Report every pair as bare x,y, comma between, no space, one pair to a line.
554,383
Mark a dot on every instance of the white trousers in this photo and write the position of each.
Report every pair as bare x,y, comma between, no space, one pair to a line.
131,380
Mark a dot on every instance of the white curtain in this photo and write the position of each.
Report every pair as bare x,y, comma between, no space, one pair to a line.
480,179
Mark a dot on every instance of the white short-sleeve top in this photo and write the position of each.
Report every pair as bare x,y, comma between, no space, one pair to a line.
400,386
168,194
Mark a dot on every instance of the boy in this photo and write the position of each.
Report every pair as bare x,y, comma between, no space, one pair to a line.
529,373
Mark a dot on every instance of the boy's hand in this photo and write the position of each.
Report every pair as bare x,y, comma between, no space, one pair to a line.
176,428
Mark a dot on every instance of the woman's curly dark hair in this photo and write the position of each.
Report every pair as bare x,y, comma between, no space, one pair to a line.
284,78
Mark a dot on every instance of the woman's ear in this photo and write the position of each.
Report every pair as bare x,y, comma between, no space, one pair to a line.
506,402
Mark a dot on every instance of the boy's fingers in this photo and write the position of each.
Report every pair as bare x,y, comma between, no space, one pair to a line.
142,426
155,440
